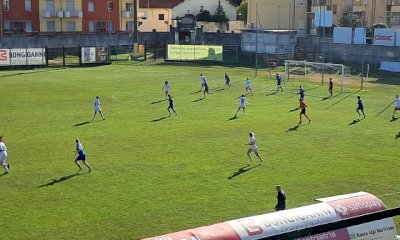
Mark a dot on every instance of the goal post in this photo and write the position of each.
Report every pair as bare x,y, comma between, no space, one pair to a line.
317,72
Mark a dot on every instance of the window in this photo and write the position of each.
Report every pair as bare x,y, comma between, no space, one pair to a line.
129,26
394,2
51,26
70,5
91,26
110,6
50,5
129,7
7,26
90,6
160,16
6,5
394,18
28,5
110,26
28,26
71,26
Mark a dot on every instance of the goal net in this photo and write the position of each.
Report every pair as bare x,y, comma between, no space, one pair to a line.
307,72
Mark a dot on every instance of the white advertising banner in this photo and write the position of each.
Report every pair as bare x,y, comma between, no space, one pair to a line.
323,20
342,35
384,37
390,66
398,38
88,55
4,57
36,56
359,36
330,209
24,56
284,221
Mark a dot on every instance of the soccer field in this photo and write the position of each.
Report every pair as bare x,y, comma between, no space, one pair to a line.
155,174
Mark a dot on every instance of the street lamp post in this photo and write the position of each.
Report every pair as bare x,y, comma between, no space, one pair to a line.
364,42
1,18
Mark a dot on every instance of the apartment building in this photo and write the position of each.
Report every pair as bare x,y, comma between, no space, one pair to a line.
60,15
277,15
300,14
19,16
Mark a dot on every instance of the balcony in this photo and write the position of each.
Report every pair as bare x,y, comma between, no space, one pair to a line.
394,9
358,8
52,14
127,14
73,14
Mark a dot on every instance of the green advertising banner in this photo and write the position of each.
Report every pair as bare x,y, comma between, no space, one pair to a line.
194,52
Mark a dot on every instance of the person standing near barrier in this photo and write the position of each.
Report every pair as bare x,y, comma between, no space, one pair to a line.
281,197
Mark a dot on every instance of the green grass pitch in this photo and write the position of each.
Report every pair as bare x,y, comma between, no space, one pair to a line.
154,175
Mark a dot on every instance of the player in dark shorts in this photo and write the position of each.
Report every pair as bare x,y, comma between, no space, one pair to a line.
227,80
171,105
206,89
303,107
360,107
330,87
301,92
81,156
278,82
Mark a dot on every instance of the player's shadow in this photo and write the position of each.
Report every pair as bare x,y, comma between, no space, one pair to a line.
219,90
397,135
355,121
61,179
325,98
293,129
394,119
294,109
233,118
159,101
271,94
82,123
200,99
195,92
242,170
159,119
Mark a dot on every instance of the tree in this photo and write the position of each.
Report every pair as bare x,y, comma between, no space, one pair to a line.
220,15
205,16
241,13
352,20
220,8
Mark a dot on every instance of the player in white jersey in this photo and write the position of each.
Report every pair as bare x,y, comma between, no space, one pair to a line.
253,148
3,156
248,86
97,108
397,107
203,80
166,89
242,104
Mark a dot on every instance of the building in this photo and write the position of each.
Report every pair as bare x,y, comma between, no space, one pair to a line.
195,6
127,15
300,14
19,16
101,16
156,14
60,16
277,15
